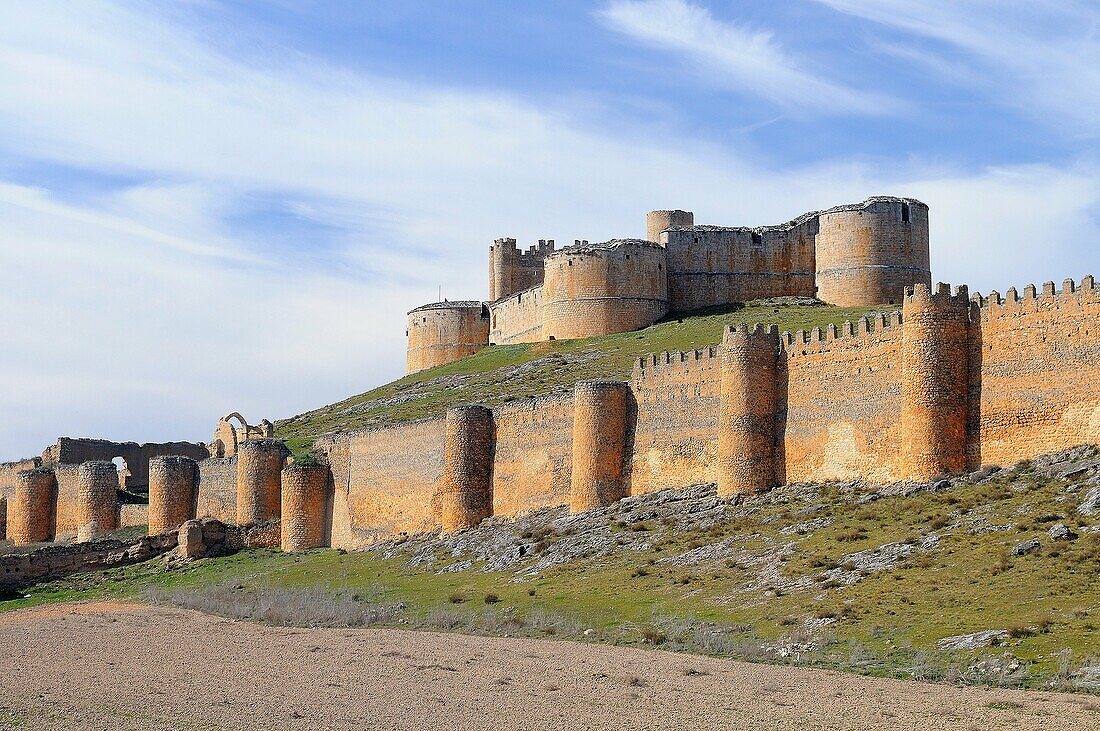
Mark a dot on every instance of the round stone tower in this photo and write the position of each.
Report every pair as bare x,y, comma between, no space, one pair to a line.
444,332
305,506
935,381
868,253
601,436
466,485
173,483
598,289
658,221
746,420
259,487
32,511
96,499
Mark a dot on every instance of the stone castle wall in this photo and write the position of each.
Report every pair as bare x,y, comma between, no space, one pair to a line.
946,384
716,265
851,255
1034,385
517,319
599,289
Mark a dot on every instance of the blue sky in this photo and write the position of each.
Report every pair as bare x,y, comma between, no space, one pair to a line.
208,206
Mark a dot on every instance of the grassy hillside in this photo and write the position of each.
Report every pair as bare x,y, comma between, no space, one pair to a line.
506,372
833,575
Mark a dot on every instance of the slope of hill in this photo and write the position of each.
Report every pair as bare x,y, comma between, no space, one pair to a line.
991,577
508,372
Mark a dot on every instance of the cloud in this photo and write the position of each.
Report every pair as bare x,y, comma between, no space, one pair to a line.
1040,57
271,217
739,58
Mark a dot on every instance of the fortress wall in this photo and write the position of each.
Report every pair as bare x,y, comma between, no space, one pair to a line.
712,265
1034,372
867,254
839,402
217,491
532,466
391,485
676,434
68,489
68,450
607,288
516,319
444,332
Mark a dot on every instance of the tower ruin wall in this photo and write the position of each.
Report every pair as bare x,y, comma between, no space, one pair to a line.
32,509
96,499
305,506
658,221
747,459
259,484
173,485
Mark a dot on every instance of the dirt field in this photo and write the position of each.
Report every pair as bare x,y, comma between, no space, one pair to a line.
119,666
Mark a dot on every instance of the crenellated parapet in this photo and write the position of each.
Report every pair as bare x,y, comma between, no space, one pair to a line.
819,339
1015,301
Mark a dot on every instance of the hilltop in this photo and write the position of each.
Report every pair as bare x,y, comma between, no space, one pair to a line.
501,373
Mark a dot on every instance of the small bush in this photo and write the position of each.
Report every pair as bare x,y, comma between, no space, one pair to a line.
653,635
456,597
491,598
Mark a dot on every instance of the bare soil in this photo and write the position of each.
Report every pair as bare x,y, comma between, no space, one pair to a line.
121,666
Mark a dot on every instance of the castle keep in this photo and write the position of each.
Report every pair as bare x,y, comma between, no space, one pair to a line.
851,255
939,381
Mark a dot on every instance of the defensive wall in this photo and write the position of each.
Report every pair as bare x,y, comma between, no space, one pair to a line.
852,255
946,384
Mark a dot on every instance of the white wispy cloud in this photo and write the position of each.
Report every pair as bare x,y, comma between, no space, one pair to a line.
147,310
739,57
1040,57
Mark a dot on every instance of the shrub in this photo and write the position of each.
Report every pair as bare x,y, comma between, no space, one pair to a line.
456,597
491,598
653,635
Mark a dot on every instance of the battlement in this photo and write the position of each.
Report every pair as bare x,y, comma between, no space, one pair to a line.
873,324
1012,299
922,293
660,364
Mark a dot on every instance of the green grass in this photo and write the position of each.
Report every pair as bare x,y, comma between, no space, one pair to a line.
885,624
492,376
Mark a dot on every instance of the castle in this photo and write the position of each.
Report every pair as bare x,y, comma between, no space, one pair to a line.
942,382
851,255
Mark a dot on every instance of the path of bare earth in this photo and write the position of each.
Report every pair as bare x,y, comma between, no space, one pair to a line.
126,666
